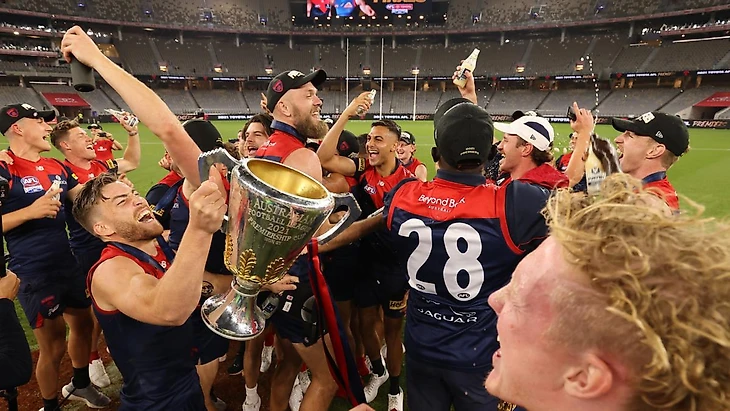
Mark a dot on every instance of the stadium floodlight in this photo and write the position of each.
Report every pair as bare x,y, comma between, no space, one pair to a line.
269,71
520,68
415,71
366,71
579,66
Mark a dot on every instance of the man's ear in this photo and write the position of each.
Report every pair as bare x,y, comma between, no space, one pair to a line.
591,379
656,151
435,155
527,150
103,230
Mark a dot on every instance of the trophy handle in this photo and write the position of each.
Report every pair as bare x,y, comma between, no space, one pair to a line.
219,155
207,159
353,212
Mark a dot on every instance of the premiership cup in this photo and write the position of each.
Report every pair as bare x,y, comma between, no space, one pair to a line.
273,212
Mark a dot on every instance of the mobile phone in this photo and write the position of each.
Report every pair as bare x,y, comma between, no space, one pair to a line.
571,114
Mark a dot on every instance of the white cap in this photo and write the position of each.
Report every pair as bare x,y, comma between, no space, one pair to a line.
534,130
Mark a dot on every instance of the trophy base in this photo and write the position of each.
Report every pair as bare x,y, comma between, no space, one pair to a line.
234,315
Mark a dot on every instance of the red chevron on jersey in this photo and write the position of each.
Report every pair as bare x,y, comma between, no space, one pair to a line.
375,185
442,200
279,147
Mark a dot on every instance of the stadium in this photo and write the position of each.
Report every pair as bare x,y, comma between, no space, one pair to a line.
215,59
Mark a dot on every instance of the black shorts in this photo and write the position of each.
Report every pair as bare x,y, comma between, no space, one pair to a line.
207,345
48,297
382,286
339,269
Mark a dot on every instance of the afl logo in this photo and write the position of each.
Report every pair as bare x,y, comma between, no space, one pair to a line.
278,86
463,295
370,189
13,112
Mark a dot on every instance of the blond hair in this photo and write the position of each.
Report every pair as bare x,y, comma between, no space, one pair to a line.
659,296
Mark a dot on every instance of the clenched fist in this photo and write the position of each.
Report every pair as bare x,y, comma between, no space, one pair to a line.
208,204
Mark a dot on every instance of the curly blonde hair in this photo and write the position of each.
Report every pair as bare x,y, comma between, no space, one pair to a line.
659,300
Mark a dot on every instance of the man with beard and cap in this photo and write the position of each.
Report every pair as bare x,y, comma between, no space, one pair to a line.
53,293
379,283
292,99
458,240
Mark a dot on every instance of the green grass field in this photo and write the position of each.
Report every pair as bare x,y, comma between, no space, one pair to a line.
701,175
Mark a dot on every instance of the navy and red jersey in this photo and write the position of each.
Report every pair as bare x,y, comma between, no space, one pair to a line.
561,164
658,184
162,195
283,141
39,246
413,165
370,193
82,241
179,219
157,362
460,240
103,149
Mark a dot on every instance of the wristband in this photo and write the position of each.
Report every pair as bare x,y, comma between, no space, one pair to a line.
134,133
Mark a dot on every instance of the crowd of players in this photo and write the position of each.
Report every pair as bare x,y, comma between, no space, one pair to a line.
515,287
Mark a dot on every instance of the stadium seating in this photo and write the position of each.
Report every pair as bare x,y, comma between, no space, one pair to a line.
179,101
690,56
557,102
688,98
137,54
634,102
14,95
507,102
220,101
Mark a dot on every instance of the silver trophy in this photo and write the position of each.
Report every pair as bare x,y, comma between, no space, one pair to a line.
273,212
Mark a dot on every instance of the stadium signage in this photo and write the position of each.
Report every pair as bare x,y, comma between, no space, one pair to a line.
224,79
704,72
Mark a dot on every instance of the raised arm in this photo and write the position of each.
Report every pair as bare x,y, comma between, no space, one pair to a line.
148,106
327,151
132,155
584,127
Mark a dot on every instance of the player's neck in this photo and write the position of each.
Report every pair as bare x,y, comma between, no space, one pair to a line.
25,151
148,246
646,169
407,161
522,169
79,162
385,169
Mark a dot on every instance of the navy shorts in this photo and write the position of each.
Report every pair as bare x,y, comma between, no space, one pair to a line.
49,296
438,389
87,260
339,269
208,346
296,319
382,286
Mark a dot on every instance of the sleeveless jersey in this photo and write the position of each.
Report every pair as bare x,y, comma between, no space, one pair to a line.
413,165
282,142
38,246
370,193
659,185
157,362
460,240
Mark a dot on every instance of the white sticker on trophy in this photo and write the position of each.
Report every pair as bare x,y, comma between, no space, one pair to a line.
286,307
